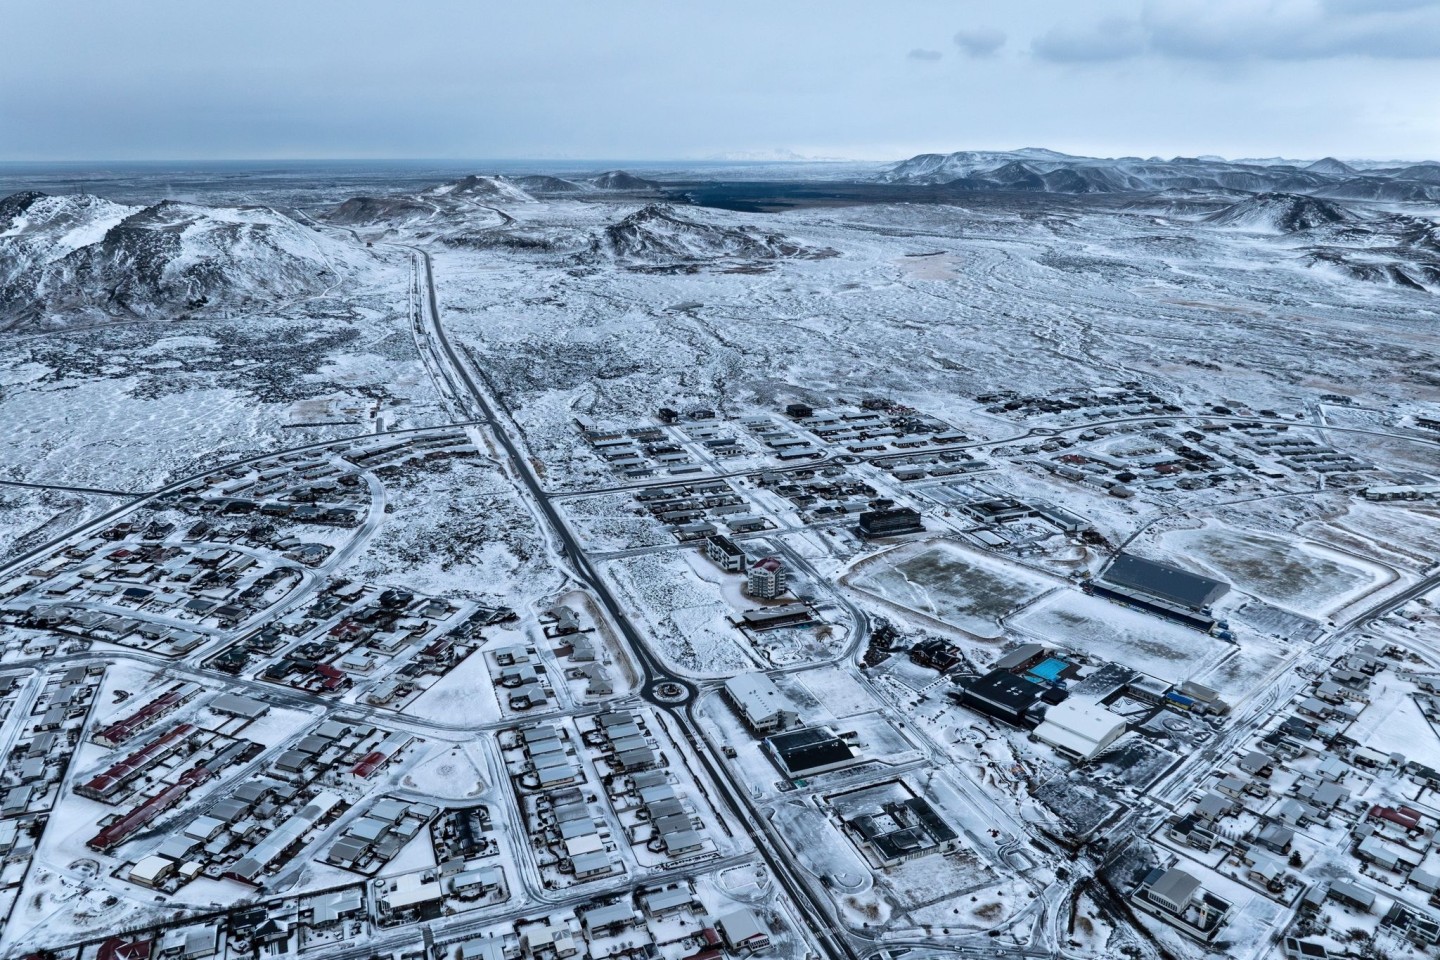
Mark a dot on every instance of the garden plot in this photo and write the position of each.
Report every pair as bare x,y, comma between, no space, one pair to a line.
1399,532
464,695
821,851
828,694
949,583
1109,631
1295,574
1245,668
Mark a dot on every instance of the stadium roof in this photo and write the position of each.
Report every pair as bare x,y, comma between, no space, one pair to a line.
1163,581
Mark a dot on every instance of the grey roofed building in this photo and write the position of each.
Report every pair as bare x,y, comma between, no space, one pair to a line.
741,928
570,829
312,744
658,903
389,809
682,842
1164,581
1173,889
1021,654
640,758
332,730
610,917
292,761
1276,838
669,807
1213,806
648,778
368,829
632,742
1255,762
230,809
761,703
238,706
661,791
588,865
347,850
1355,896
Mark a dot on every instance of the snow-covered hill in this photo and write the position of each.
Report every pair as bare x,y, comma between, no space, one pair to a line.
82,258
36,228
620,180
656,236
370,211
475,187
1279,213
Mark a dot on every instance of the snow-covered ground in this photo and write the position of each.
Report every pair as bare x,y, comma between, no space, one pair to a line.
1095,358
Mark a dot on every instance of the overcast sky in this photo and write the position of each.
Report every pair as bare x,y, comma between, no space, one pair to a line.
638,79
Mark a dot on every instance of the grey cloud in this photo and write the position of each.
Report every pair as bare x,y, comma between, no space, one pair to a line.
1106,40
1236,30
918,54
983,42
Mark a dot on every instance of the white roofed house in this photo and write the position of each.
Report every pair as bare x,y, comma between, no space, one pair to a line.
742,930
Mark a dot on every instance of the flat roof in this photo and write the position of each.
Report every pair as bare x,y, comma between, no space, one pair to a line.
1005,689
1163,581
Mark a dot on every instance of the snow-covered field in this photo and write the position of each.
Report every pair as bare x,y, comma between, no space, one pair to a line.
1299,575
1108,631
956,586
236,332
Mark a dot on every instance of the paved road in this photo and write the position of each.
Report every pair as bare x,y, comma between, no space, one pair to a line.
69,489
813,909
570,547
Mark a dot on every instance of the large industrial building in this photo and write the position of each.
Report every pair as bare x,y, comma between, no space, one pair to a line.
889,523
811,751
1160,588
903,830
1079,728
1004,696
764,708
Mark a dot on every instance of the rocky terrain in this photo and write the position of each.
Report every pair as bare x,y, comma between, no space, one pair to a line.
81,259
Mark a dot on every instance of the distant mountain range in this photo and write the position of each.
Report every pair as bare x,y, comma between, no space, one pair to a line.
1037,170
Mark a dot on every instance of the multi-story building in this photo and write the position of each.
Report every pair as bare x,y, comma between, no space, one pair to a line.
767,579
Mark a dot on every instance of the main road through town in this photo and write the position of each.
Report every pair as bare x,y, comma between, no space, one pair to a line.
679,700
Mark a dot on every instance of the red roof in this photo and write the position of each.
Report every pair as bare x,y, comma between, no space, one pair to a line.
119,948
121,830
122,730
135,763
368,764
1409,820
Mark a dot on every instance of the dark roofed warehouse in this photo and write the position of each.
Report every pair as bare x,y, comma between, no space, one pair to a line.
1164,582
1002,695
